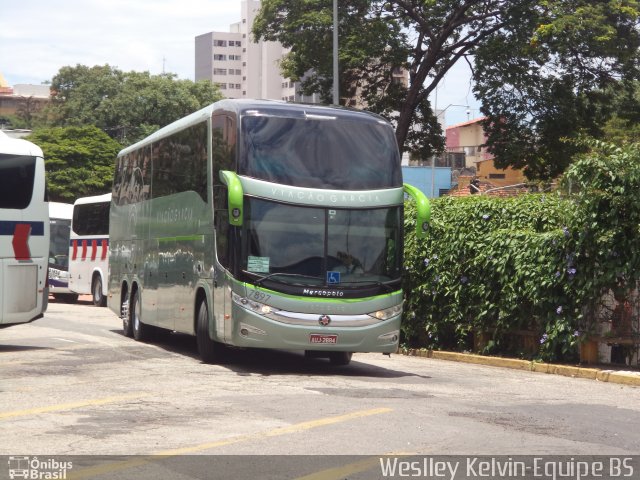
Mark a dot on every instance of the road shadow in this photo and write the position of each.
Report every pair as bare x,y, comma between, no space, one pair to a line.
82,300
20,348
267,362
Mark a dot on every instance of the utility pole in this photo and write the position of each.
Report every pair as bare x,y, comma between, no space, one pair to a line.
336,93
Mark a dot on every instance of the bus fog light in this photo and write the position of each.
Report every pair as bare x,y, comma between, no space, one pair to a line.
390,337
245,330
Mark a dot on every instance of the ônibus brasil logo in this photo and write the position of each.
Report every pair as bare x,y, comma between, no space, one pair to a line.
38,469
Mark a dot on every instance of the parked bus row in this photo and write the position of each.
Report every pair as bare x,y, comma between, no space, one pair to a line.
78,257
249,224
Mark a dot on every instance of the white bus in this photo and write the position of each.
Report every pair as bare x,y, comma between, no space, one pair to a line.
89,247
60,228
24,232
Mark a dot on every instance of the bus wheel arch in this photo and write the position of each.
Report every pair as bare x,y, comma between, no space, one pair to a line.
99,298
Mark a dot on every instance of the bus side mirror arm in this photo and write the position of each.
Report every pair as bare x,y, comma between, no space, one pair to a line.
235,195
423,209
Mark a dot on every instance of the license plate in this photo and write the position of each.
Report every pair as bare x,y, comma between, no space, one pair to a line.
319,338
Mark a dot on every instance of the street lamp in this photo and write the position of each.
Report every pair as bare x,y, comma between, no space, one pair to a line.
433,158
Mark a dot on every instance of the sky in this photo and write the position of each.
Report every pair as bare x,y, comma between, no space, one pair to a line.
38,37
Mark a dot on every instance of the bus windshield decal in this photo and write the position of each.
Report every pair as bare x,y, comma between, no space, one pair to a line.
322,198
258,264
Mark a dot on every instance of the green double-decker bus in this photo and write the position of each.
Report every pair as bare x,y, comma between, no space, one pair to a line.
263,224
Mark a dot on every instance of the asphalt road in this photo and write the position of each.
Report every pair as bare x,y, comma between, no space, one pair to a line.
72,384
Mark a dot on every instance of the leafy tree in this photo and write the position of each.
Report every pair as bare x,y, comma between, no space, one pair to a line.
426,38
624,126
79,160
127,105
551,73
541,66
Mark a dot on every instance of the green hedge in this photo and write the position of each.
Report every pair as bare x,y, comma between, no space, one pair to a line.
535,263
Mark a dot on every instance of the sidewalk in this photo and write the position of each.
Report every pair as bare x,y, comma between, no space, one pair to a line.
614,375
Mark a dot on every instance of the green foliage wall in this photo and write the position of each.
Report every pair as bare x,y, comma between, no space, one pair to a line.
490,265
538,262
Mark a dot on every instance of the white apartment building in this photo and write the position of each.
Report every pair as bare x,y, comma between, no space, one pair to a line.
239,66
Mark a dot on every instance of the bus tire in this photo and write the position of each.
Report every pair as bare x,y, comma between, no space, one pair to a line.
125,314
210,351
340,358
99,300
141,331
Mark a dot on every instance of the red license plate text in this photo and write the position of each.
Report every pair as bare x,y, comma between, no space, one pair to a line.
325,339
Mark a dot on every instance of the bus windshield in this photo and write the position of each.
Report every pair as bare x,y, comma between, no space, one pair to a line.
320,153
17,174
322,247
59,245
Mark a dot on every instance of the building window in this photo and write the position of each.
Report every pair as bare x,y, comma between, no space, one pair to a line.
219,71
221,86
497,175
220,57
235,57
219,43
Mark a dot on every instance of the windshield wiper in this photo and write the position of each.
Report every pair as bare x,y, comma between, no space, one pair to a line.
259,281
386,286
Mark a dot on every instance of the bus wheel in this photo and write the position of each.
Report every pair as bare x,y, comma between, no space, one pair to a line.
127,328
99,300
340,358
210,351
140,330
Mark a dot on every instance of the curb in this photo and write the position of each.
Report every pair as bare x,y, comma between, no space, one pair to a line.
611,376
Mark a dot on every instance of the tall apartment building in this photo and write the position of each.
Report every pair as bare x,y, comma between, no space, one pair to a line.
239,66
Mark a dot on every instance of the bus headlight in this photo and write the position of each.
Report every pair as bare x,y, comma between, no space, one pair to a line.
387,313
252,305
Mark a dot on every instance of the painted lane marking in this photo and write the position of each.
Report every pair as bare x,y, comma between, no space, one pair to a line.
298,427
69,406
344,471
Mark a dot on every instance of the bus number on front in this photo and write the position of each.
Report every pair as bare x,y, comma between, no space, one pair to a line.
259,296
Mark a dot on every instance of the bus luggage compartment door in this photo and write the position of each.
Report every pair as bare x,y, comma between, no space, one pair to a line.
20,287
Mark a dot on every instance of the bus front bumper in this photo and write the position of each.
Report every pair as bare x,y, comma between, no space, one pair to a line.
252,330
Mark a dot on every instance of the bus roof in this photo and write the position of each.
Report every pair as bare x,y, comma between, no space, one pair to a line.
16,146
257,107
60,210
95,199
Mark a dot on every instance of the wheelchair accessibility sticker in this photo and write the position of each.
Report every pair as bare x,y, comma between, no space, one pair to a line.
333,278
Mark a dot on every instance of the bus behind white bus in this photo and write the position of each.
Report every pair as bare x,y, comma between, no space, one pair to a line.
60,229
89,247
24,232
